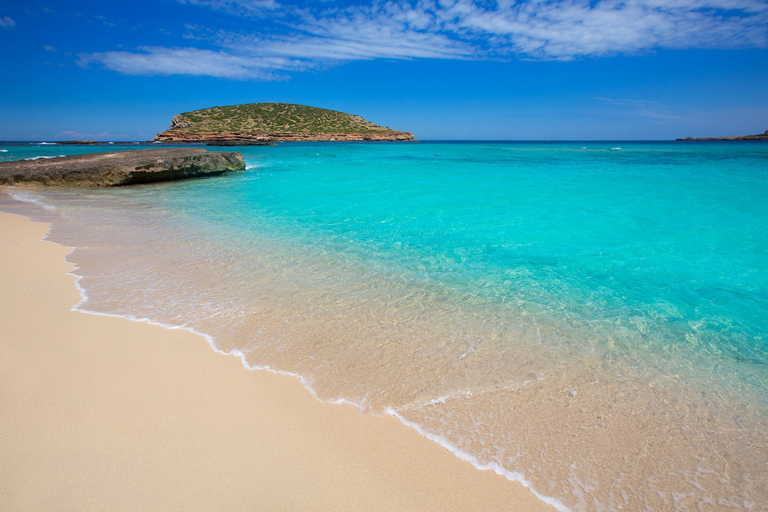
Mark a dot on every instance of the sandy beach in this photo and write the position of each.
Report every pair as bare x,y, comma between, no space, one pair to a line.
101,413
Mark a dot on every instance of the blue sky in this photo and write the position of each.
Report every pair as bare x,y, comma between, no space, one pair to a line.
452,69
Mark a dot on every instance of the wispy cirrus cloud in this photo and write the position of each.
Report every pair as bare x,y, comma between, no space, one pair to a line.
574,28
382,31
6,22
238,7
355,34
294,38
191,61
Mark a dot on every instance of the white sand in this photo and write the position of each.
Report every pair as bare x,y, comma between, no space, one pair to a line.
100,413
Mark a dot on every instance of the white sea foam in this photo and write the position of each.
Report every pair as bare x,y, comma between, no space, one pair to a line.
509,475
46,144
465,393
28,197
80,307
3,150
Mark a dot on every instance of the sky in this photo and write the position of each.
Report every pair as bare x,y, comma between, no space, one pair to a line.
442,69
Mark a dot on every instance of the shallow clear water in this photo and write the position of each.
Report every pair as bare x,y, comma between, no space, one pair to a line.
588,319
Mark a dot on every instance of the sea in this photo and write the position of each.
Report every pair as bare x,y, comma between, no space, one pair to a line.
588,318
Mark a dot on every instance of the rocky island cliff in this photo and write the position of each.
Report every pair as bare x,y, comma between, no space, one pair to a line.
758,136
274,122
121,167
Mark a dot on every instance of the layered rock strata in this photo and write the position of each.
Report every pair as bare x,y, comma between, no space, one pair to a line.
121,167
181,136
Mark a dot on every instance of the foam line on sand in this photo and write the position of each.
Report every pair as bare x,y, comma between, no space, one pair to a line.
101,413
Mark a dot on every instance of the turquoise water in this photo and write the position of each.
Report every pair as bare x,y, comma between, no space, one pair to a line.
588,319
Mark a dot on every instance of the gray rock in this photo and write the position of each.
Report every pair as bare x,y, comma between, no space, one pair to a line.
121,167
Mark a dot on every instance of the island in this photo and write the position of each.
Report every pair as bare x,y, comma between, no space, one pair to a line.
121,167
266,123
78,143
759,136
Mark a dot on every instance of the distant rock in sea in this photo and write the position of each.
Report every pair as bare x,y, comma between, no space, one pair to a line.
759,136
121,167
273,122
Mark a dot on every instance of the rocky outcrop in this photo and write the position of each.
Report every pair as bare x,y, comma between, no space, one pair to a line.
759,136
180,136
179,122
121,167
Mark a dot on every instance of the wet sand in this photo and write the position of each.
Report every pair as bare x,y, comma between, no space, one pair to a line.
101,413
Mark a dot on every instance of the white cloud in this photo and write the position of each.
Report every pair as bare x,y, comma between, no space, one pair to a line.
316,41
7,22
388,31
305,38
536,29
189,61
358,34
407,46
50,48
577,28
239,7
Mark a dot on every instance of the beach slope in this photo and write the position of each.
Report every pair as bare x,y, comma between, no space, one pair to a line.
101,413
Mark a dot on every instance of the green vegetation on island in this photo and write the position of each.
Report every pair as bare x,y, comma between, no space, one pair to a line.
267,123
757,136
272,117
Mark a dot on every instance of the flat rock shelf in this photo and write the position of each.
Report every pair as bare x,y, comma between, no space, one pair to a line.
121,167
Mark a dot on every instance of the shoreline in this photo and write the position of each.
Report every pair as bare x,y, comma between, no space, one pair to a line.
103,412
